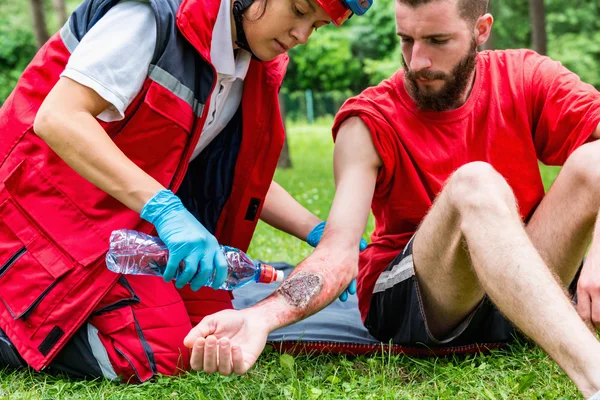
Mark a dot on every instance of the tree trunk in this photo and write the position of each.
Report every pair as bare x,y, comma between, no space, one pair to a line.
537,15
39,22
61,11
285,161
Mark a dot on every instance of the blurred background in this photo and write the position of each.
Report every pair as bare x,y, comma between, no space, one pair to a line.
344,61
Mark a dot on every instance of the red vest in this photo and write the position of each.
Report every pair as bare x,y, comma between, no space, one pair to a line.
55,225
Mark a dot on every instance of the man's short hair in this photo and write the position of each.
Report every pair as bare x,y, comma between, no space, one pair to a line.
469,10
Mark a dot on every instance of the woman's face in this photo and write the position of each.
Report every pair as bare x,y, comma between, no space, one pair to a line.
284,24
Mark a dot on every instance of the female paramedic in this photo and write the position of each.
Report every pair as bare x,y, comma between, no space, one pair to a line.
160,116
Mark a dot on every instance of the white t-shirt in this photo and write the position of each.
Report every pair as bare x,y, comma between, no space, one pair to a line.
114,56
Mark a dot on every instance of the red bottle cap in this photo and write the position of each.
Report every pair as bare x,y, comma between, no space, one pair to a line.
269,274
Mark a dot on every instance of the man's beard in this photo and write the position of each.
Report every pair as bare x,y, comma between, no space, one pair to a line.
449,95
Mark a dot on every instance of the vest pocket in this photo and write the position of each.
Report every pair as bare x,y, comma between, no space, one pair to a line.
34,198
165,103
12,259
30,265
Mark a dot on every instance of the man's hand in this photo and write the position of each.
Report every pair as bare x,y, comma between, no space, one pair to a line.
588,292
228,341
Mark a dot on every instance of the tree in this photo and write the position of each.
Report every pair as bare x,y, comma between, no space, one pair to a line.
39,22
61,11
324,64
537,15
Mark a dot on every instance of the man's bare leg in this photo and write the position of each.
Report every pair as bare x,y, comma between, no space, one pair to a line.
561,227
477,208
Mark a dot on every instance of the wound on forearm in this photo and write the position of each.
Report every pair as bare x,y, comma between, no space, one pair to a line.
301,288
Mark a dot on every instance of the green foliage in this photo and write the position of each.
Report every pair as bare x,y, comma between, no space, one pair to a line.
287,362
520,372
511,27
580,54
373,36
377,70
334,58
17,45
324,64
576,17
574,37
16,50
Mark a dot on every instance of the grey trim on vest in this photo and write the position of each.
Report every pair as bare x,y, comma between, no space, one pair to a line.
68,38
172,84
399,273
100,354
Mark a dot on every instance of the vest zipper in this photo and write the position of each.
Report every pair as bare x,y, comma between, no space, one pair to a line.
122,354
13,259
198,124
122,303
25,314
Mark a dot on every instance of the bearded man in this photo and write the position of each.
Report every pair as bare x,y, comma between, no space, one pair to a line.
468,248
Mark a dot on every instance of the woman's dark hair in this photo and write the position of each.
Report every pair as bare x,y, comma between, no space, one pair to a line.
262,11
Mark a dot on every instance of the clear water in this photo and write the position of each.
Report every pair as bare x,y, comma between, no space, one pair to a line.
135,253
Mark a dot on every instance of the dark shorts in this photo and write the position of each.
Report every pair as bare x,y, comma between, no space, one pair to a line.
396,313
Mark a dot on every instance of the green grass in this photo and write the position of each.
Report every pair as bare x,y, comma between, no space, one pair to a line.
521,371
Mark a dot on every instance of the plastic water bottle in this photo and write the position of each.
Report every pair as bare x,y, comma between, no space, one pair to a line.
136,253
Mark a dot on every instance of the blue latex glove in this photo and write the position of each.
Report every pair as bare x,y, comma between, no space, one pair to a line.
187,240
314,237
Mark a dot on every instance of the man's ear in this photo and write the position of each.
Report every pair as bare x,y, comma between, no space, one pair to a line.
483,28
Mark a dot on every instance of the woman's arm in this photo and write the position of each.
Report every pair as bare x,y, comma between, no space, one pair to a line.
66,122
283,212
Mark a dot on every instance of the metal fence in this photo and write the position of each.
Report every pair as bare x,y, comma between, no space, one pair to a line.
307,106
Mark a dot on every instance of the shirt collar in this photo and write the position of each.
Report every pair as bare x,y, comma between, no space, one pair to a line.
221,50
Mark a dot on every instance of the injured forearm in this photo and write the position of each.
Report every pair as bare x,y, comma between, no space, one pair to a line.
314,284
322,277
